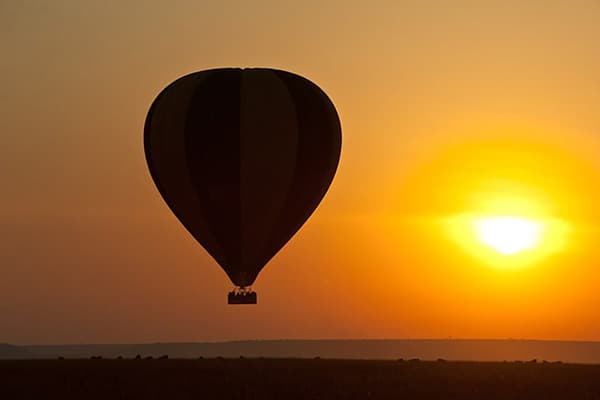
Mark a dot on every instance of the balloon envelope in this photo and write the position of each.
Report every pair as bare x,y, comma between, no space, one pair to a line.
242,157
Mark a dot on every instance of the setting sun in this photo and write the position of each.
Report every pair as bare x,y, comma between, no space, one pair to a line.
509,231
508,235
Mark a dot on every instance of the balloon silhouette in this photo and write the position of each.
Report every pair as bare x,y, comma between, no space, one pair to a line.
242,157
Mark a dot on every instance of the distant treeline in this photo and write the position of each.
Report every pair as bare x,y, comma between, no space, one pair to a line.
466,350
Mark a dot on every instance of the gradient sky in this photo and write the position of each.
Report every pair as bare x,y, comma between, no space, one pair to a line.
445,107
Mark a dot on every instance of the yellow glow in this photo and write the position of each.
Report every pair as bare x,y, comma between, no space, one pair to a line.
508,235
508,231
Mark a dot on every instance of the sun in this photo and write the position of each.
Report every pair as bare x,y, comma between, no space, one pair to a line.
508,235
508,232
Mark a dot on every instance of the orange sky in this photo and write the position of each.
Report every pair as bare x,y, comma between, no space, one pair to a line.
445,107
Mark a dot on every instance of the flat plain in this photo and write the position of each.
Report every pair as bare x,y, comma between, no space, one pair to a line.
287,379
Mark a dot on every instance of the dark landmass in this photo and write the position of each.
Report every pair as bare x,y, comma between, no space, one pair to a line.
291,379
10,352
460,350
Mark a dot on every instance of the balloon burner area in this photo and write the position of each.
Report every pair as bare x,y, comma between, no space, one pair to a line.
241,295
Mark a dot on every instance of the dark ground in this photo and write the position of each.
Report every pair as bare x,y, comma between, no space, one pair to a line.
288,379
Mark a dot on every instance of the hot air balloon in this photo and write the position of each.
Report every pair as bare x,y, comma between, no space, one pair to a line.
242,157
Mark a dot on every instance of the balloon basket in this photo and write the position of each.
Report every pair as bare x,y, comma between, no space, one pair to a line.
241,297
